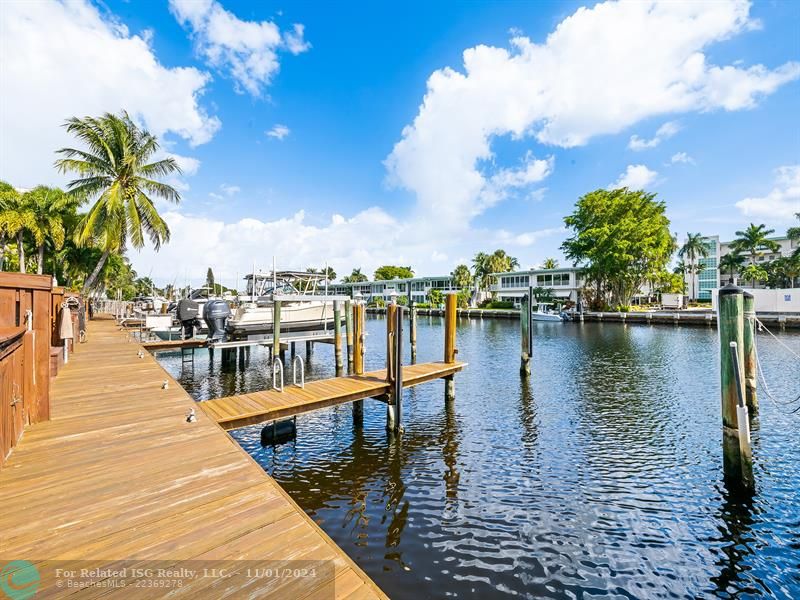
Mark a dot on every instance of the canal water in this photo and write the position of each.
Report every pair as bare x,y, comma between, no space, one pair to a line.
602,476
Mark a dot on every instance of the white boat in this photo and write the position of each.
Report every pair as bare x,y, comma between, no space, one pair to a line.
254,315
543,313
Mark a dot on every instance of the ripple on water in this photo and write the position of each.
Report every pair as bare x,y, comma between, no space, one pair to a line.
602,477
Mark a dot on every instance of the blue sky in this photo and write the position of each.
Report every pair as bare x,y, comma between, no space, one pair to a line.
495,151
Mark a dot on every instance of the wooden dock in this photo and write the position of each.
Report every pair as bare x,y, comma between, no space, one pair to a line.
259,407
119,474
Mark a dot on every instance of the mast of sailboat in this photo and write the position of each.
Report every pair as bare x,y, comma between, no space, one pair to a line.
274,276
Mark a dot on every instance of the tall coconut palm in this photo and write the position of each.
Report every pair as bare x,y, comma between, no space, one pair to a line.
115,173
15,217
692,249
731,263
753,241
462,278
550,263
48,209
8,195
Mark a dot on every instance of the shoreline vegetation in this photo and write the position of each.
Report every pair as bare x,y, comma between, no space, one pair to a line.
619,238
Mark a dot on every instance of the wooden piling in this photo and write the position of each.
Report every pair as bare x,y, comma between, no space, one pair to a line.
337,337
749,351
358,338
391,322
730,322
526,334
450,350
412,332
450,328
394,410
348,324
309,348
730,317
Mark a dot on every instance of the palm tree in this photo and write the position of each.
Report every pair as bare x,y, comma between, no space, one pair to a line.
794,234
753,241
462,278
48,209
15,218
8,195
693,248
550,263
115,172
731,263
355,277
496,262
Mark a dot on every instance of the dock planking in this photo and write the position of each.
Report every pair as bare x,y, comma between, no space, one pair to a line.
119,475
241,410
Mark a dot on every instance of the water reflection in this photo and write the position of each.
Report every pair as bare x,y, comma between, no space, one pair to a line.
601,474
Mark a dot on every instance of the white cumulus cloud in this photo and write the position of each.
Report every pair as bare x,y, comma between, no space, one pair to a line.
635,177
278,132
600,71
782,203
246,50
65,59
666,131
682,158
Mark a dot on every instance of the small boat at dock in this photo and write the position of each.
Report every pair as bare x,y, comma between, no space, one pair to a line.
543,313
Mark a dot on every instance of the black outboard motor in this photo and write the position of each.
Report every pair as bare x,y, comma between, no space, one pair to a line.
188,313
216,315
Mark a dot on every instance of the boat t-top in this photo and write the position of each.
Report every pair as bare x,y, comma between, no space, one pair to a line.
543,313
306,310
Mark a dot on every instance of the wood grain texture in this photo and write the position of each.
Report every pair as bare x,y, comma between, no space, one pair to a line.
259,407
118,474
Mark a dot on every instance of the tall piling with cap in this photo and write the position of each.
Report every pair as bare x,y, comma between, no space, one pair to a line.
450,351
391,335
348,327
358,338
749,339
337,337
735,425
412,331
394,369
526,334
358,356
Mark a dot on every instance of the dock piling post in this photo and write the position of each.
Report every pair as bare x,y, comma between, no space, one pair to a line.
309,348
394,370
730,322
749,308
526,334
391,322
358,338
337,337
348,326
450,350
412,332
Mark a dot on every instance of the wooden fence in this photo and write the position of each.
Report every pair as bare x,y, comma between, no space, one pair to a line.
26,330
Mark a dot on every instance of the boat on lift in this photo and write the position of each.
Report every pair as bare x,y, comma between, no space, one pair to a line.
544,313
307,311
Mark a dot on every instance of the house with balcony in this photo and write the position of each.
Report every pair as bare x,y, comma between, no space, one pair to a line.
415,289
565,282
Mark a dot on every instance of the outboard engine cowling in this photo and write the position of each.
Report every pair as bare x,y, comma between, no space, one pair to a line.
216,315
188,312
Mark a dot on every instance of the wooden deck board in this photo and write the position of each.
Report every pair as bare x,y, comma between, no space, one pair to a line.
118,474
260,407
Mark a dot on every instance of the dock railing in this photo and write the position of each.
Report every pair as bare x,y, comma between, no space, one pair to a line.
26,331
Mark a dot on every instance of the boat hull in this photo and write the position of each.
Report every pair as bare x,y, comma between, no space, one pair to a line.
546,317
